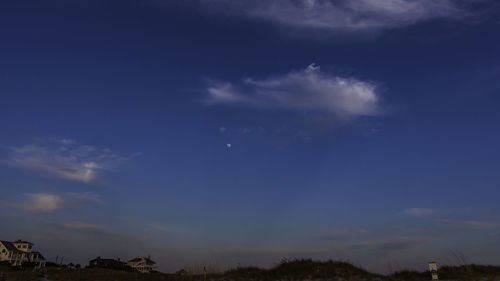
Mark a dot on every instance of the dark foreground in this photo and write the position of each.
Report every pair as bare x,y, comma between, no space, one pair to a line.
294,270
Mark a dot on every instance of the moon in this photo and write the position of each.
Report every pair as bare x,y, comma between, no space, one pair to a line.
229,145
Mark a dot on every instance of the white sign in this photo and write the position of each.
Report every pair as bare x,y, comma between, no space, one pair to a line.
433,269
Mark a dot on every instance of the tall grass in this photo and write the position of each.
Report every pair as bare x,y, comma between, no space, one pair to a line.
287,270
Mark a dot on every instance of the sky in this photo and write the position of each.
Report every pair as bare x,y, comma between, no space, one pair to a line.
225,133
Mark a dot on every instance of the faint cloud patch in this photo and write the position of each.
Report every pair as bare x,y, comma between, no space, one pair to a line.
466,225
49,202
283,251
442,228
392,244
86,228
402,243
66,159
342,234
80,227
160,228
419,212
246,131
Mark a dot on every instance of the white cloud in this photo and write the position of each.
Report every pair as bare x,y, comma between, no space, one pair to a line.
343,15
42,202
307,90
419,212
65,159
49,202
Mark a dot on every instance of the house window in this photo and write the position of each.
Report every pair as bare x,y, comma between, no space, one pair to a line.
3,251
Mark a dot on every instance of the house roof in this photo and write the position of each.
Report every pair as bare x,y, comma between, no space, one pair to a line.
139,259
105,260
135,260
9,246
39,255
22,241
182,271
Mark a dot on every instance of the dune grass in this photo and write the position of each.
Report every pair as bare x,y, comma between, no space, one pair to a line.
287,270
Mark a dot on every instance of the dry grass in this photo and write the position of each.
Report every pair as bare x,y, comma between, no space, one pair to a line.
287,270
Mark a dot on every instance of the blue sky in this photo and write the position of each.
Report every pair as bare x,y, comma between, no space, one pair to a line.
241,132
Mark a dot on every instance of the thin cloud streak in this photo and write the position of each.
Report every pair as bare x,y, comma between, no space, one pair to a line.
102,232
342,234
392,244
82,227
419,212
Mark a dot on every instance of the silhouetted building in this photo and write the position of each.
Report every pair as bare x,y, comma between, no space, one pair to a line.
142,264
108,263
181,272
19,252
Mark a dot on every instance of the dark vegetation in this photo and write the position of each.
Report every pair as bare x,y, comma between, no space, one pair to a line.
287,270
17,274
302,270
117,266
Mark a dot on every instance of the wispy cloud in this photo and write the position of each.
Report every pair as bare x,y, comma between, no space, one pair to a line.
86,228
402,243
80,227
343,15
419,212
66,159
442,228
396,243
280,251
49,202
307,90
342,234
465,225
160,228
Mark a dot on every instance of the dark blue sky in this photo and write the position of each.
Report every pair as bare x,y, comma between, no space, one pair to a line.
364,130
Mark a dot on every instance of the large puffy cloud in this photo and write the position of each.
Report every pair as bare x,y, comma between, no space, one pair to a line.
344,15
308,90
62,158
